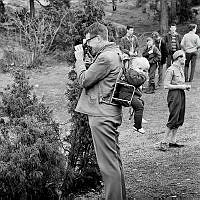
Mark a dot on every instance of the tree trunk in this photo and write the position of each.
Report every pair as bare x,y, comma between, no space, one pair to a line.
173,16
163,16
32,9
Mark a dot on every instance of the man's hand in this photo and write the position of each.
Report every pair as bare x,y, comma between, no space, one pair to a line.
78,52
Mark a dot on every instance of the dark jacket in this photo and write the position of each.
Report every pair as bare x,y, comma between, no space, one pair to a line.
161,45
136,79
152,56
125,44
168,41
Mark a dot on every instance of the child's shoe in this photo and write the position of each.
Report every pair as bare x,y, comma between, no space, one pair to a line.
163,146
141,130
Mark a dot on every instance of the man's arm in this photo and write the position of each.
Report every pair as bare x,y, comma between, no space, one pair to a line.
198,42
136,43
96,72
183,43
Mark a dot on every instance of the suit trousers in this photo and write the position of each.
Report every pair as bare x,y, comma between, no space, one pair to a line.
169,59
106,145
152,73
190,57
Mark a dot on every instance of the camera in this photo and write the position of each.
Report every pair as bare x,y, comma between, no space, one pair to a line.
87,52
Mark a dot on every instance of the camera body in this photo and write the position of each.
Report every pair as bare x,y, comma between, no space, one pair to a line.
87,52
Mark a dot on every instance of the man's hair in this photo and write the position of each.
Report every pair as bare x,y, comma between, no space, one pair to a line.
129,27
173,24
191,26
98,29
149,39
155,34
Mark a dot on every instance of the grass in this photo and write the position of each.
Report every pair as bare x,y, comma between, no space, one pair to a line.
150,174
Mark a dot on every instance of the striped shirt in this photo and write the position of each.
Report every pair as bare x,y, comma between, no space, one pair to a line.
173,43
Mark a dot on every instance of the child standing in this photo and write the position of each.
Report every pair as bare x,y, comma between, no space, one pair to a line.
153,55
175,83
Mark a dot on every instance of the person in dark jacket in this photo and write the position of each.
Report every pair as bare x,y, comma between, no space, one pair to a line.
104,119
173,43
153,55
129,43
161,45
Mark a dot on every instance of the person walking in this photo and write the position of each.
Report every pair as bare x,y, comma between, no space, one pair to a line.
173,43
190,44
104,119
161,45
175,83
153,55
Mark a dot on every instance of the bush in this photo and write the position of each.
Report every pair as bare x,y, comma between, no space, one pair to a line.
83,174
31,163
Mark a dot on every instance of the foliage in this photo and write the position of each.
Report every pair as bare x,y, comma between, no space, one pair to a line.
2,11
73,25
83,173
31,165
37,34
195,2
59,3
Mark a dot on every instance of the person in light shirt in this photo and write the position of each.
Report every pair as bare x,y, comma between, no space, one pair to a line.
190,44
175,83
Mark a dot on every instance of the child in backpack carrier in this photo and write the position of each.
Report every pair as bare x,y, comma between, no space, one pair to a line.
136,75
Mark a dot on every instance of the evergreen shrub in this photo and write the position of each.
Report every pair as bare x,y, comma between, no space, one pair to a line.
83,174
31,163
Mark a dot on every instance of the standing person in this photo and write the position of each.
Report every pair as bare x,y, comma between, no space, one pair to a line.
175,83
129,43
190,44
104,119
161,45
153,55
173,42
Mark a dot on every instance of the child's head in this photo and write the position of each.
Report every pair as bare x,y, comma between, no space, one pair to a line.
149,41
156,36
141,65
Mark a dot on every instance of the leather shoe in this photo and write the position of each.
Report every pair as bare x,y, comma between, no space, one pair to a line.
175,145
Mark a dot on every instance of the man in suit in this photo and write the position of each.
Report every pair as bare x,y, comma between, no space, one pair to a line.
104,119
